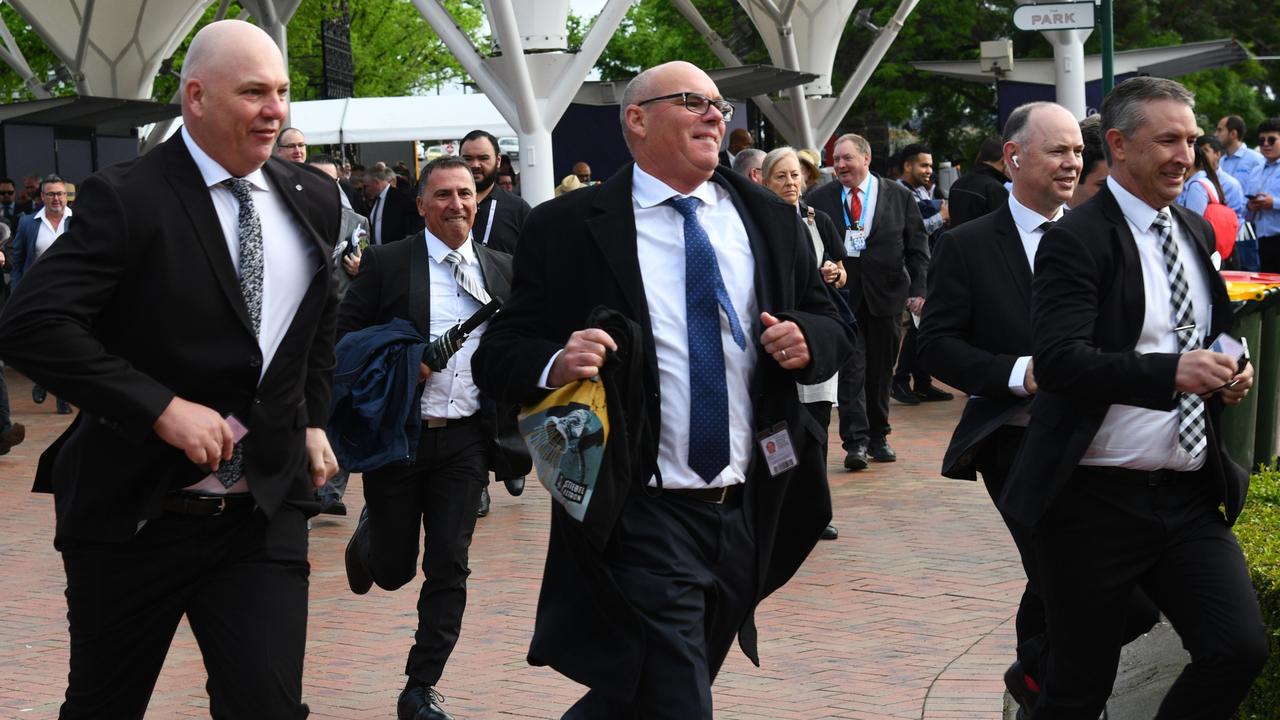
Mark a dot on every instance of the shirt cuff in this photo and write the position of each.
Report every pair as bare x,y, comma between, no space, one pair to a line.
546,371
1018,375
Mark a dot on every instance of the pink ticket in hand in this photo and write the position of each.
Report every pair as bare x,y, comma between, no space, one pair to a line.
238,430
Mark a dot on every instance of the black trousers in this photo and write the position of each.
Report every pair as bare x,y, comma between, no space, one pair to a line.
908,372
688,568
862,390
438,493
241,580
1103,536
1269,253
1140,614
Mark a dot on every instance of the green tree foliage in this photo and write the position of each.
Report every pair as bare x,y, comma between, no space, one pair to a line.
953,116
39,57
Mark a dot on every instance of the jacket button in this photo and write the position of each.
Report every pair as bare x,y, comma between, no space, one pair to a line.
255,362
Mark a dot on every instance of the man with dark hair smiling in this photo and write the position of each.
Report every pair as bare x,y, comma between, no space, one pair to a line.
499,214
1123,467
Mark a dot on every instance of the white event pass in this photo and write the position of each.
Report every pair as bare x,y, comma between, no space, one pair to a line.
855,241
779,453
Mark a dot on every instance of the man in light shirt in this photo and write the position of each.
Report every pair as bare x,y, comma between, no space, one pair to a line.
1123,467
436,279
718,277
1238,160
189,313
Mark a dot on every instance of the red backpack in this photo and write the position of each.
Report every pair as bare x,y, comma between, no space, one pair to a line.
1223,219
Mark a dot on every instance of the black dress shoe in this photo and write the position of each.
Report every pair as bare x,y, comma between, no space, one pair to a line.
14,435
38,394
332,506
484,502
419,702
881,452
515,486
64,407
933,394
856,459
829,532
900,392
1015,680
358,577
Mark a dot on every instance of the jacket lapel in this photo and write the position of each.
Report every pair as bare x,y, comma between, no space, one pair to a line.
193,197
419,283
1009,242
1220,317
1132,288
284,181
494,281
758,226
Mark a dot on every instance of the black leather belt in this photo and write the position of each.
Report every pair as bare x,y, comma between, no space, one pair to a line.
1150,478
716,496
189,503
436,423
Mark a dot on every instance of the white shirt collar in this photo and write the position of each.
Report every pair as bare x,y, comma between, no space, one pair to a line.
66,212
438,250
1136,211
212,172
864,186
649,191
1241,151
1029,220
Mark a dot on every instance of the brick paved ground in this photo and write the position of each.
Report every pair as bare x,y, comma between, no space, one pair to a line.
907,615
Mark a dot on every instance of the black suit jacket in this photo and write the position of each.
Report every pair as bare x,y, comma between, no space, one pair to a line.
1087,311
976,325
395,281
894,264
976,193
139,302
504,232
577,252
400,217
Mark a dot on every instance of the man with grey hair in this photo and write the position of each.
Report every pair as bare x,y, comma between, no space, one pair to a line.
718,309
197,338
747,163
1123,466
392,214
888,255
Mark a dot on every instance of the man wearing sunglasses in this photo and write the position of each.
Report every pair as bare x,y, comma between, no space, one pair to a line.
718,275
1262,191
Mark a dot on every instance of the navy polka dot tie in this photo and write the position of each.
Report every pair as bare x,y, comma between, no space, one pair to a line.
705,295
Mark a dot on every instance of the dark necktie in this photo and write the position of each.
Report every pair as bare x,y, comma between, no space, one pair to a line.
376,221
855,207
1044,226
705,295
251,266
467,282
1191,427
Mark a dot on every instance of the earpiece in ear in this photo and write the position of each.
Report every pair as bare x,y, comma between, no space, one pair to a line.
1015,161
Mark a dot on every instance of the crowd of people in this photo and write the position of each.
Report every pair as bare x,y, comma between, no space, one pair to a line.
324,318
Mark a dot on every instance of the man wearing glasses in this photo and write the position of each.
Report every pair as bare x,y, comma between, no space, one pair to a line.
291,145
36,232
1262,192
703,512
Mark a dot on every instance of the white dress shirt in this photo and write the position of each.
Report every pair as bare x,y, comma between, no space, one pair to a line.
868,188
1028,223
660,250
451,393
47,233
1134,437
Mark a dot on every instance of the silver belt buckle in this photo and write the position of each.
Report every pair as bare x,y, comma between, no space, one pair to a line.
433,423
222,504
724,492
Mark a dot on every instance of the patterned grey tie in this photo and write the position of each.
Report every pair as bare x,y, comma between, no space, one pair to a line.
1191,423
250,228
465,280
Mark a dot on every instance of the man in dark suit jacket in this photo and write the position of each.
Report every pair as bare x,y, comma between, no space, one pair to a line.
981,190
439,490
1123,468
392,213
647,623
160,511
888,257
976,336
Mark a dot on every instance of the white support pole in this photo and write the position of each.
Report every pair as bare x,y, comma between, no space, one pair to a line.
866,66
451,35
799,107
537,181
13,57
598,35
1068,69
82,46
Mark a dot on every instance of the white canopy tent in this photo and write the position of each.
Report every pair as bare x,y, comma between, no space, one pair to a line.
394,119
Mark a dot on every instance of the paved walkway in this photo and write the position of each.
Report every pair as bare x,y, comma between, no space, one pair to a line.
907,615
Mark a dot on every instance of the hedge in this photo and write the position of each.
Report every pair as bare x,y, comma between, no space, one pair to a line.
1259,531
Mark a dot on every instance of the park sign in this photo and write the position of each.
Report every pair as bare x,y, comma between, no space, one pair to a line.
1055,16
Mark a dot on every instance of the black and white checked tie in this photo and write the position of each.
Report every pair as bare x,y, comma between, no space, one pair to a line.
465,280
251,265
1192,436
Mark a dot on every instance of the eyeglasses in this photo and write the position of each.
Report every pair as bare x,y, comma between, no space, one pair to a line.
6,192
54,194
1268,139
696,103
294,146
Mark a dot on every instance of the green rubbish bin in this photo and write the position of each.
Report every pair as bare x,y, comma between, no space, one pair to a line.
1266,388
1239,422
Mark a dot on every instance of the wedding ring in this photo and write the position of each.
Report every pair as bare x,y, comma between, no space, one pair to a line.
784,354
